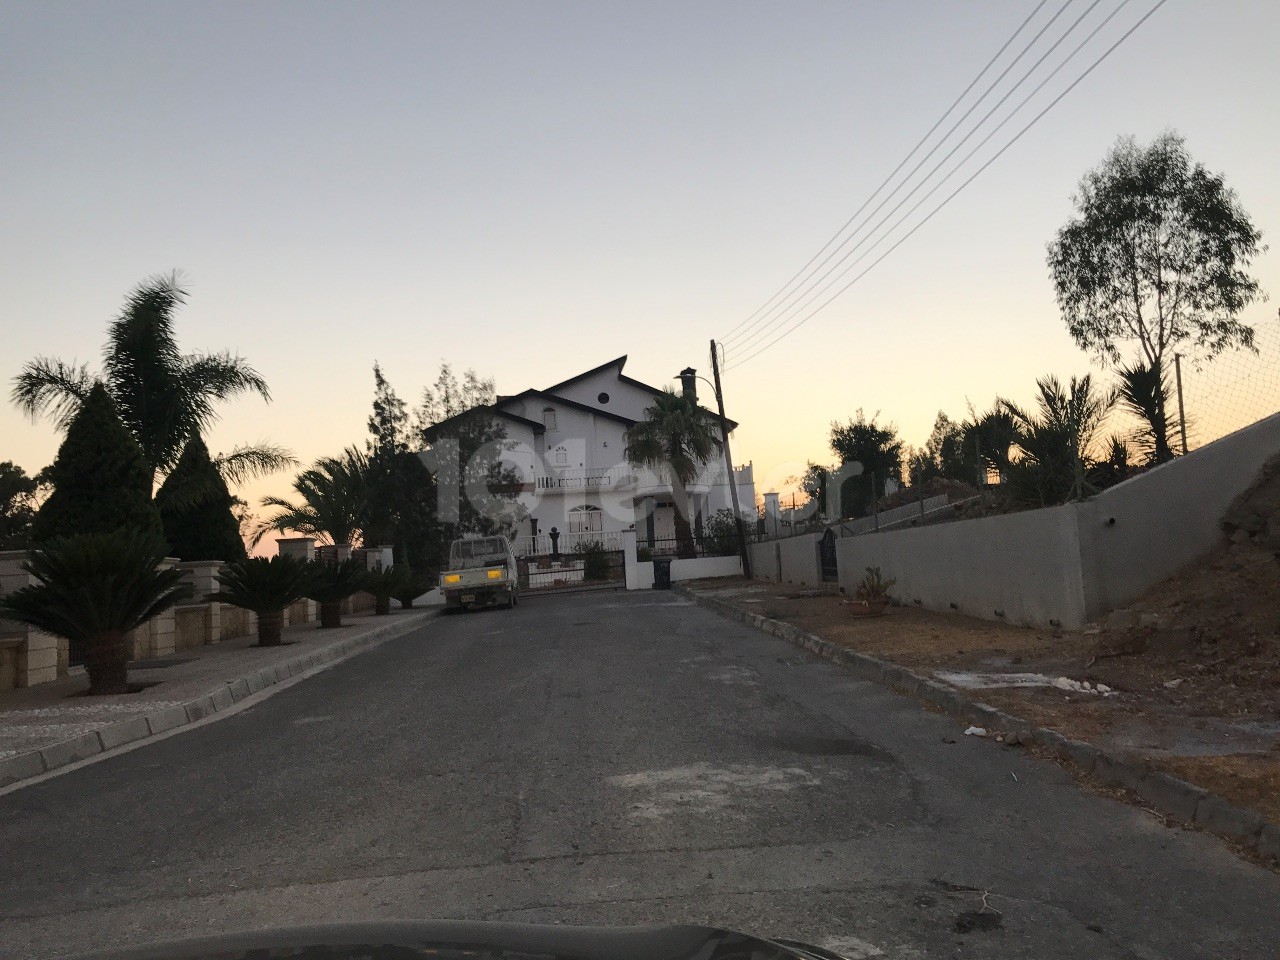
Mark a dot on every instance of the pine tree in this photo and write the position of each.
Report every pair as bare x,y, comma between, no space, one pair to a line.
195,507
101,480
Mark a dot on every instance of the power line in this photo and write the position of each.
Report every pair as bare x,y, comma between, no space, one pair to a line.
1034,120
813,293
902,163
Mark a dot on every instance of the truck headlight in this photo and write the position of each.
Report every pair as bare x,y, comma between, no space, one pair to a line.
497,574
452,577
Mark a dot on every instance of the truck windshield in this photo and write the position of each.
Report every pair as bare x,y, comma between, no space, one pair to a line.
467,549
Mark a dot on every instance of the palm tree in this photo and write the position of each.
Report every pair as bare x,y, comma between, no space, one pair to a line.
93,589
677,434
1144,391
163,396
334,500
1055,441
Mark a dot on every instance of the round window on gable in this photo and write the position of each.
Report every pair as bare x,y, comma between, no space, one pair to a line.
603,398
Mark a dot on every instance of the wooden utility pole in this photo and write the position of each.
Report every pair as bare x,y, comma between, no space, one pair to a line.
728,462
1182,414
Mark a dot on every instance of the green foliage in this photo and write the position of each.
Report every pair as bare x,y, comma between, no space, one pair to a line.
261,584
459,413
720,535
1158,253
333,500
878,449
19,495
873,588
680,436
1144,391
163,397
101,480
595,560
92,589
401,499
412,584
385,582
334,582
944,454
195,508
1055,441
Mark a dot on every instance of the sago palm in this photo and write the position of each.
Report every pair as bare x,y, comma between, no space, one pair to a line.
163,396
679,435
333,504
330,583
265,586
93,589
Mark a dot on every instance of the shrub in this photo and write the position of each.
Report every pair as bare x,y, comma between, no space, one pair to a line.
720,535
413,584
383,584
195,508
101,480
265,587
92,589
874,588
595,561
331,583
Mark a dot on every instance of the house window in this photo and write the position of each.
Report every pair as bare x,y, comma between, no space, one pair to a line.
549,418
586,519
562,457
603,398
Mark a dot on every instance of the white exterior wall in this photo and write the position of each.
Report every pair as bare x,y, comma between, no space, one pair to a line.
625,399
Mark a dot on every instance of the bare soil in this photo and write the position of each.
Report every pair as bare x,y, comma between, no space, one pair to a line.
1194,666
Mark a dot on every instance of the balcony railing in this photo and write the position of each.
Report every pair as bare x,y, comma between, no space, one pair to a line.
594,478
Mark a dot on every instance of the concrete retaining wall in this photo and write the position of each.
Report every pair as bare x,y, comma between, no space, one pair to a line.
1168,517
1063,565
1023,567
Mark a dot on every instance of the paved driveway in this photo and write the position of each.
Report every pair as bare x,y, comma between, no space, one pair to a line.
613,758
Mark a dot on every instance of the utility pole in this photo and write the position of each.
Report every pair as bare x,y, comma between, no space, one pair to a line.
728,462
1182,416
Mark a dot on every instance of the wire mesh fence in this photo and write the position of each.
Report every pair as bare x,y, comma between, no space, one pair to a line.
1234,390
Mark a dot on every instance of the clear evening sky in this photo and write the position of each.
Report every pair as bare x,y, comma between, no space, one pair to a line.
531,189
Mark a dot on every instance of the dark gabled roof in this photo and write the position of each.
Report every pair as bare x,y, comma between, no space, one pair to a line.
619,363
493,411
573,404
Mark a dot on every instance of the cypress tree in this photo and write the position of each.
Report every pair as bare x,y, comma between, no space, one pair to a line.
195,507
101,480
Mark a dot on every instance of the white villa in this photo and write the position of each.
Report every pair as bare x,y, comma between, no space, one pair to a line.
568,441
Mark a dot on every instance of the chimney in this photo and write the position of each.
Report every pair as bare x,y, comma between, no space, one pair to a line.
689,384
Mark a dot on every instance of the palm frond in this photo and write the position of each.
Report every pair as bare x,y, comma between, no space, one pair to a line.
52,387
250,461
223,375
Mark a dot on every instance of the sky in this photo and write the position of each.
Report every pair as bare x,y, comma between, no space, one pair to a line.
532,189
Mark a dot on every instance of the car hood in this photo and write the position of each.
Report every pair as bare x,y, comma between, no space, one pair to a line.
461,940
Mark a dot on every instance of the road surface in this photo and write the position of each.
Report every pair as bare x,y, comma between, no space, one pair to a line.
613,758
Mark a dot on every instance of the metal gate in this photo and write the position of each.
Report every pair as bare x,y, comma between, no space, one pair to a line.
827,557
572,572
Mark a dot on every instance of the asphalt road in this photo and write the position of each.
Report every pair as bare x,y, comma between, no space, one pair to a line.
613,758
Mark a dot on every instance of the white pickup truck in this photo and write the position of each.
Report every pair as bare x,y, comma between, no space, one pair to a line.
482,573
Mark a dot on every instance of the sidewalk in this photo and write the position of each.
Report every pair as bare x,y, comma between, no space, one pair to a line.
53,724
1040,689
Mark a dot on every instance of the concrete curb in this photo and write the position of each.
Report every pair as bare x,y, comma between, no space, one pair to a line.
35,763
1164,792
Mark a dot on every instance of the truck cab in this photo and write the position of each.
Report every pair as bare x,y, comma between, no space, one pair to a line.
481,573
